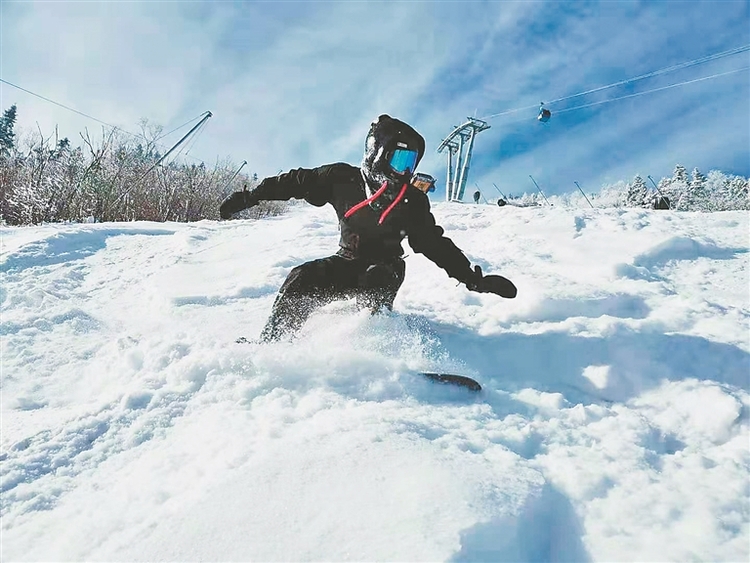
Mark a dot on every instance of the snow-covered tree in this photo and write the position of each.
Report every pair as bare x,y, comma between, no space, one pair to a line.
637,195
695,196
676,188
715,191
680,174
697,179
530,199
111,179
7,136
611,196
736,190
665,190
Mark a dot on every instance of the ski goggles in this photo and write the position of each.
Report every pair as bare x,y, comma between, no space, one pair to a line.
403,161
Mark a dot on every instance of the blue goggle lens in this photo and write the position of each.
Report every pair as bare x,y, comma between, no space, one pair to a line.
403,160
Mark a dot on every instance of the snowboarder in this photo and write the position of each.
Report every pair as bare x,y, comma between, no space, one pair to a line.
378,205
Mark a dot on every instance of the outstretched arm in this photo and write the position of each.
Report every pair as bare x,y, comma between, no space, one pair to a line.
426,237
301,183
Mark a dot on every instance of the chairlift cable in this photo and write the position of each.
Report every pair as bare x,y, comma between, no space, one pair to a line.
671,68
653,90
658,72
522,119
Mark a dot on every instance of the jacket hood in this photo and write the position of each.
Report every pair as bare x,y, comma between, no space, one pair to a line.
385,136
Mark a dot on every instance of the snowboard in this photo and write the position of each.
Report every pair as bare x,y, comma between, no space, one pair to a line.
443,378
453,379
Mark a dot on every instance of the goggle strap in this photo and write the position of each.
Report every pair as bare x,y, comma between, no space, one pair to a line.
392,205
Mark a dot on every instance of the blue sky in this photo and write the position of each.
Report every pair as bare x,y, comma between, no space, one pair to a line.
297,83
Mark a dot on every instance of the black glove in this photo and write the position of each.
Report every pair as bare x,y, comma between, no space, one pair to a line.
491,284
237,202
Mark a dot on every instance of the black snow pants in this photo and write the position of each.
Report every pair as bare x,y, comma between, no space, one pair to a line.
319,282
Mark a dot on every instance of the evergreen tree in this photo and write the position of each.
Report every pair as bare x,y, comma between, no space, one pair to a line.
697,178
696,195
679,188
738,189
6,131
637,193
680,174
62,146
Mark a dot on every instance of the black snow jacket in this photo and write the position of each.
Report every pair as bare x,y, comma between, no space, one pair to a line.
343,186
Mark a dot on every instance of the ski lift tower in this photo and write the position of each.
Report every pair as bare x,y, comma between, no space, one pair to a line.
458,158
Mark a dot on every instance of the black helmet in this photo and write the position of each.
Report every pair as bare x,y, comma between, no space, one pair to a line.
393,150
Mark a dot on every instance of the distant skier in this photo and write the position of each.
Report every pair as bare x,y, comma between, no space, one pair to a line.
378,205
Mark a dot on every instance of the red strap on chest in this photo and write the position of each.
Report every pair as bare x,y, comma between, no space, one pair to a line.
375,196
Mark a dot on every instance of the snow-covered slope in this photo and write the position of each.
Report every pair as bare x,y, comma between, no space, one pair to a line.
613,424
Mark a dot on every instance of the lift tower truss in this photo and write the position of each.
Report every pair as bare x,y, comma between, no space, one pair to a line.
460,144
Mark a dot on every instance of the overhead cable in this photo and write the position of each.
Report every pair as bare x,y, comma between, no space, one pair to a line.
66,107
651,74
654,90
136,135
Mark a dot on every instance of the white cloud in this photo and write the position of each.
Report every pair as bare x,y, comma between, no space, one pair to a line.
297,84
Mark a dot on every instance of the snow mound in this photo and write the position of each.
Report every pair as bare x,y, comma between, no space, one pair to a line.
613,424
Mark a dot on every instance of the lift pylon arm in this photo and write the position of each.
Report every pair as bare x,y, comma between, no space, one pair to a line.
458,167
472,123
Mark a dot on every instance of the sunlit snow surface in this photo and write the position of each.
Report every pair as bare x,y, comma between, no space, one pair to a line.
613,425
